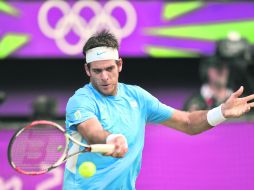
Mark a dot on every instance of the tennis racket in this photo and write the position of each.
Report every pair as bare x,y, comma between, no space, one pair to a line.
42,146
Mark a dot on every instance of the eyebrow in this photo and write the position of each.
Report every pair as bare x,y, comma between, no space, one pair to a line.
101,69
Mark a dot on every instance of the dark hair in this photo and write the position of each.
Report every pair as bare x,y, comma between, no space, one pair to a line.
212,62
103,38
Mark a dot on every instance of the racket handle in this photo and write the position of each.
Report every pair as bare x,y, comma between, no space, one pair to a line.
102,148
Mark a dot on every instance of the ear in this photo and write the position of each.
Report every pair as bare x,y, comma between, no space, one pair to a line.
87,70
120,65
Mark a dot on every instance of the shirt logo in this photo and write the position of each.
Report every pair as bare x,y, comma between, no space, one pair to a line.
77,115
134,104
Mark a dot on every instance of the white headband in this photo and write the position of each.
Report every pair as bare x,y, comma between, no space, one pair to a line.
101,53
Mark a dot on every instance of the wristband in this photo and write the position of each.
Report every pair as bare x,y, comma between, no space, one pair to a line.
215,116
113,136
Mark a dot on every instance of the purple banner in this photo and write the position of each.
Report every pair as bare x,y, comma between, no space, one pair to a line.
220,159
60,29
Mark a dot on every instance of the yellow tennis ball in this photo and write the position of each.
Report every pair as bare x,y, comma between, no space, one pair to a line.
87,169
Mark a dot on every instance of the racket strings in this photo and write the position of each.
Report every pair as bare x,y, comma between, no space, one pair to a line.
37,148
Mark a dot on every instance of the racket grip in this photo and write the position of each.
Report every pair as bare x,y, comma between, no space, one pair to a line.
103,148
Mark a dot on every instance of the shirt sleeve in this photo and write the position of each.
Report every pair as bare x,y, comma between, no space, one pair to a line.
156,112
78,110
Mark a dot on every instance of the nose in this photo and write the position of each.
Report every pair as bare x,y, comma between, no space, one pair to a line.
104,75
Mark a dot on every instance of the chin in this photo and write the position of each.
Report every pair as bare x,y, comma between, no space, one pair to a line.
107,93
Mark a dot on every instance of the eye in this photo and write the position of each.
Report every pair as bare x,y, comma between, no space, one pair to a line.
97,71
109,69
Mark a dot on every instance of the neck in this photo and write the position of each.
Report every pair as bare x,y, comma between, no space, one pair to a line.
115,90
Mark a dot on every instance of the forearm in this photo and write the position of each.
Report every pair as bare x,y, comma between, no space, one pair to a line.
189,122
95,136
198,122
93,132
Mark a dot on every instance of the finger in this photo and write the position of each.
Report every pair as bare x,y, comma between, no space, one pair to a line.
115,155
121,142
249,98
118,154
251,104
117,148
125,150
120,151
239,92
248,108
108,154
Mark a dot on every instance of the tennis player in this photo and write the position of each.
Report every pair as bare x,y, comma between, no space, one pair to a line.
107,111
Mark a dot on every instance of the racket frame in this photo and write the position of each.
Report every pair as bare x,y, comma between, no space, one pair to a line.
102,148
57,163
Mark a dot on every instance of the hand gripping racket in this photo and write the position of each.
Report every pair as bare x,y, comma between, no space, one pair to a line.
43,145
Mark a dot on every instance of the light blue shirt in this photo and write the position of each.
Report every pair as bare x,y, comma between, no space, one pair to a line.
126,113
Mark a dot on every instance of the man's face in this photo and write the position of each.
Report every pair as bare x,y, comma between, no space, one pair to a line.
218,77
104,75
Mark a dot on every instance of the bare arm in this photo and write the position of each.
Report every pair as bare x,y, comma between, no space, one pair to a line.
94,133
190,123
196,122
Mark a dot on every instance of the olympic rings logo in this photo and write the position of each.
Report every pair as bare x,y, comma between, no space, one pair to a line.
72,21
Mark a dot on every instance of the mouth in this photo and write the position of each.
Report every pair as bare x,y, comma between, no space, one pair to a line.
105,85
